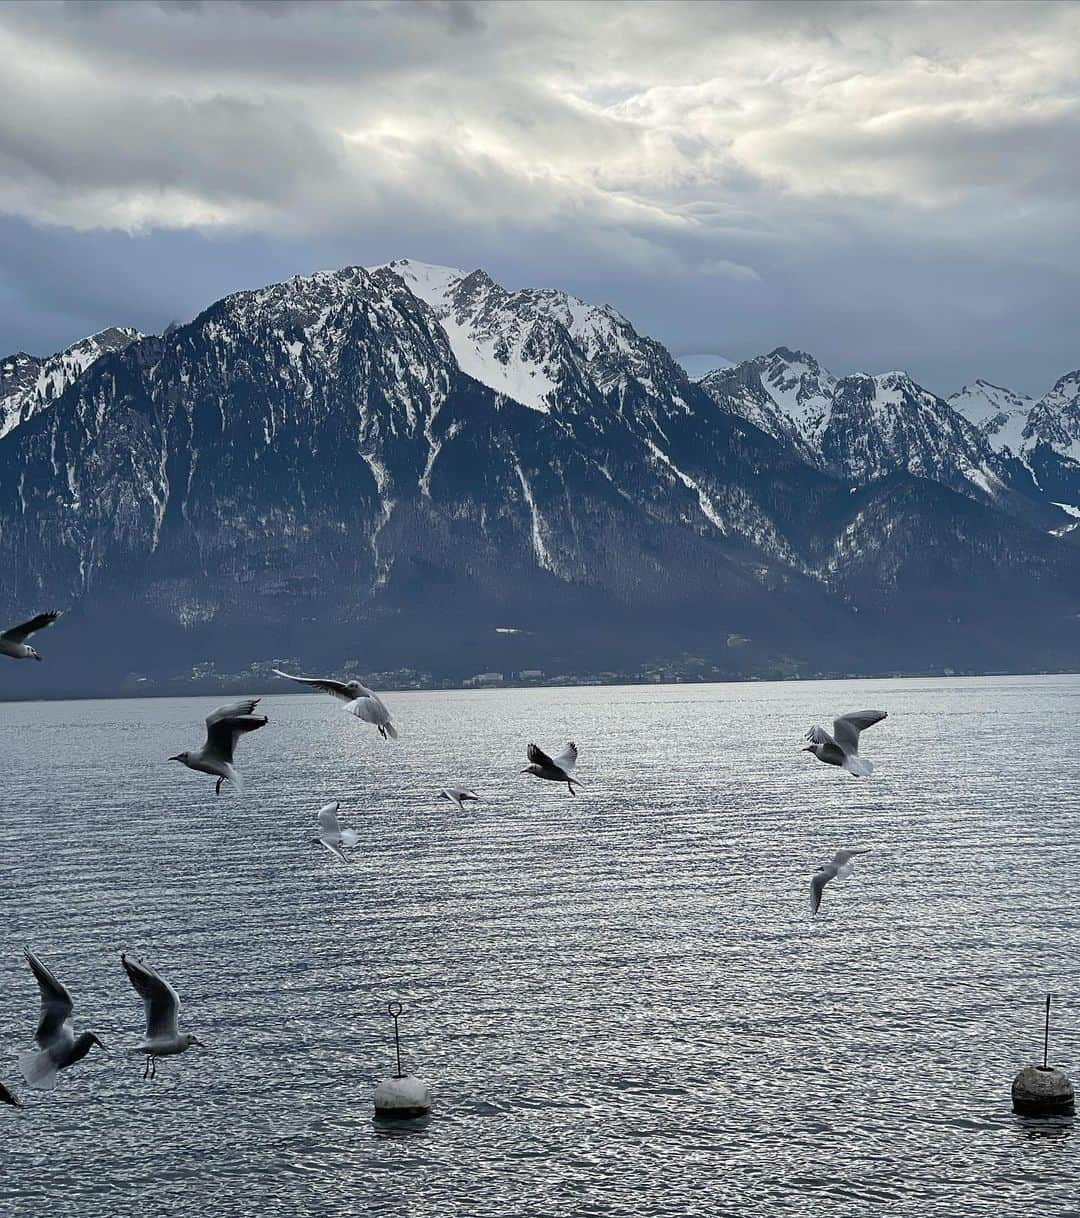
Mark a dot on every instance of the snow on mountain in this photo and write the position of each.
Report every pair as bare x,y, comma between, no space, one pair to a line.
859,427
29,383
999,413
541,347
1055,418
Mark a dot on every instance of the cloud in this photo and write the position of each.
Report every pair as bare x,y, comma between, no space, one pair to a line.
766,169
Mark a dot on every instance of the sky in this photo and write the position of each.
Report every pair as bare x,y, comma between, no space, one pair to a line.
883,185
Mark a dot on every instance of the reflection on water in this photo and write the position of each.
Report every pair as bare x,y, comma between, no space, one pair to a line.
620,999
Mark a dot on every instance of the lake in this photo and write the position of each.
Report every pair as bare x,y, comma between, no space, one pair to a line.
620,999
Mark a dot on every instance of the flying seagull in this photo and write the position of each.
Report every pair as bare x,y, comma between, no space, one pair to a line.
842,747
58,1046
840,868
332,835
13,642
223,728
458,795
557,769
9,1097
360,701
162,1005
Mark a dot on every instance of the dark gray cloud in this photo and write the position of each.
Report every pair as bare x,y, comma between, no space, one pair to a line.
884,184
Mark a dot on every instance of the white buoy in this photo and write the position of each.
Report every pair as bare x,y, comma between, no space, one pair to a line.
1043,1090
404,1095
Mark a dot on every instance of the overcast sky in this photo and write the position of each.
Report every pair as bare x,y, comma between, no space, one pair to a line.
885,185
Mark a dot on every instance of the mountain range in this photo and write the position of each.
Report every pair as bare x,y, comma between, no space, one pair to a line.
411,466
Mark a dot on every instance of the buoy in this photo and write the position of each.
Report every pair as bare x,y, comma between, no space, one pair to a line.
404,1096
1043,1090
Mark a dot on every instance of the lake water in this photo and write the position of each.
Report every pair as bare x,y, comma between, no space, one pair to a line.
620,999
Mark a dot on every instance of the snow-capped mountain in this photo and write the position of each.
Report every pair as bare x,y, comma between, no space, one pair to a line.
542,347
999,413
863,427
1055,418
29,383
1043,434
398,461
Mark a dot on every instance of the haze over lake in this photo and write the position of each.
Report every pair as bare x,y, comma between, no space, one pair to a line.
620,999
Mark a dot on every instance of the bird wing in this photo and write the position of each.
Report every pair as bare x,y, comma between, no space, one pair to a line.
225,724
328,819
817,886
9,1097
539,757
326,685
161,1001
846,729
818,735
567,758
845,856
335,850
18,634
56,1002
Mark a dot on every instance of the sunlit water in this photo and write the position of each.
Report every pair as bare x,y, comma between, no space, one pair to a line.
620,999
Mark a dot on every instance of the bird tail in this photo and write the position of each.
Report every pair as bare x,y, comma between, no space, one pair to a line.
38,1069
859,766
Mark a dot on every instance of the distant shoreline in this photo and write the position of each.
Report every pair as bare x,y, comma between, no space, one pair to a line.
263,688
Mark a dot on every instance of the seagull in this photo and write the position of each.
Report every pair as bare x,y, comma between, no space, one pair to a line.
9,1097
223,728
162,1008
458,795
332,835
13,642
842,747
360,701
58,1046
555,769
840,868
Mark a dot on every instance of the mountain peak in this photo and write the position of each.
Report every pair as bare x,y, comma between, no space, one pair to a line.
29,383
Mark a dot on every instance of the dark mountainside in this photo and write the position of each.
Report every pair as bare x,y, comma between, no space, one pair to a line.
306,473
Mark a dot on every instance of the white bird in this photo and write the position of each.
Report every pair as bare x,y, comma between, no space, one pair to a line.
58,1046
839,869
360,701
842,747
223,728
13,642
162,1005
332,835
458,795
554,769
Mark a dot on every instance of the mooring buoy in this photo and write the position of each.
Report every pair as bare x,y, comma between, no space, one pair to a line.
1043,1090
404,1095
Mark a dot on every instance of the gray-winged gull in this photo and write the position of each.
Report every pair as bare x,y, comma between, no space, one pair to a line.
223,728
332,835
58,1046
554,769
842,747
13,642
840,868
162,1005
458,795
360,701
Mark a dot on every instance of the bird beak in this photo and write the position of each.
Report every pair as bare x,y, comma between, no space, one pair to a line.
37,657
524,771
196,1041
176,758
807,748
